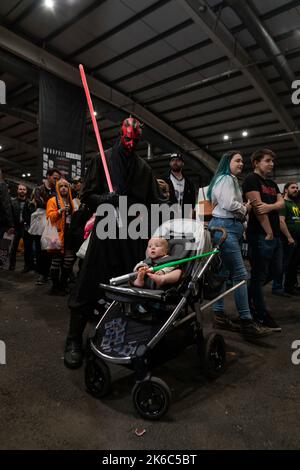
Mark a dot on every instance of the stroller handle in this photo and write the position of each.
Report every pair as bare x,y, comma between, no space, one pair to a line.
213,230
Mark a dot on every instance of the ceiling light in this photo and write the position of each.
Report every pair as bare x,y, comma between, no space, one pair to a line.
28,174
23,176
245,133
49,3
95,113
226,137
0,147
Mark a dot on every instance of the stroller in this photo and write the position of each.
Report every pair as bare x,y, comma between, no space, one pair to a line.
142,327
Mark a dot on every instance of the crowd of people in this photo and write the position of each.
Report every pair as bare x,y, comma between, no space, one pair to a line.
16,216
269,221
256,211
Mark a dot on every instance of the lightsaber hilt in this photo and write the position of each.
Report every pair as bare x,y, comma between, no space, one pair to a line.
115,281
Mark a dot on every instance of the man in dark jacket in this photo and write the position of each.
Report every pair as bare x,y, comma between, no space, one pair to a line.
181,189
41,196
43,193
21,223
106,258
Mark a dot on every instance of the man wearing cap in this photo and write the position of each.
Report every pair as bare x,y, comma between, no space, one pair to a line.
75,190
110,257
181,189
76,186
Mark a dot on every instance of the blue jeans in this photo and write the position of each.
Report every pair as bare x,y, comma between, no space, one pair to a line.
265,258
232,259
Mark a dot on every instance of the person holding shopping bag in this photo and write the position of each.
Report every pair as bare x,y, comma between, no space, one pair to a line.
59,212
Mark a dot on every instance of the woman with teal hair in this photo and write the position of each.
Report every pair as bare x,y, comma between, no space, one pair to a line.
230,212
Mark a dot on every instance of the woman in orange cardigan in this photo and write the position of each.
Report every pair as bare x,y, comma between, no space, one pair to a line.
59,210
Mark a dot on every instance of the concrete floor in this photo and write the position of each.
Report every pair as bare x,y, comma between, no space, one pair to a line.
43,405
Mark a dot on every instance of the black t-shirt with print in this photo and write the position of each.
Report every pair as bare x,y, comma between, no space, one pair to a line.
268,190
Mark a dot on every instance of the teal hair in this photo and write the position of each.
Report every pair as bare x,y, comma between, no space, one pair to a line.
222,170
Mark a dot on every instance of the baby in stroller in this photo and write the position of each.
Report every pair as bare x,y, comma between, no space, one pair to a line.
173,320
158,248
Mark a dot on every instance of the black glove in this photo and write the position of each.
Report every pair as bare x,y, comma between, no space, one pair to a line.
109,198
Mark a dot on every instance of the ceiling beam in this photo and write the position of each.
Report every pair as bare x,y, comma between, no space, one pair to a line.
32,118
226,122
205,82
30,8
223,38
12,65
249,16
42,59
13,164
28,94
208,135
12,179
71,22
116,29
16,144
18,113
143,45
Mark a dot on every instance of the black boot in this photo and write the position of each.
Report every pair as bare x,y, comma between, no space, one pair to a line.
65,274
73,357
55,289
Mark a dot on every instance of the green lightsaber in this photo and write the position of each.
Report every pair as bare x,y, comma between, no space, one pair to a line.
181,261
131,276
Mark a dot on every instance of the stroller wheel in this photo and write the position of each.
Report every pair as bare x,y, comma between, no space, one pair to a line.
214,355
97,377
151,398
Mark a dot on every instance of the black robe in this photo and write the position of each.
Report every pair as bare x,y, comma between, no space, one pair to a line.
131,176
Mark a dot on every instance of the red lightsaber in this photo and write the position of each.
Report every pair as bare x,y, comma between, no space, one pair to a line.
95,125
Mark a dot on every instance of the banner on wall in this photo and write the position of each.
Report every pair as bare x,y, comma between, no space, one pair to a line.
62,117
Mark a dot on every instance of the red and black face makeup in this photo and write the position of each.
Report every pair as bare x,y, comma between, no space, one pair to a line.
131,133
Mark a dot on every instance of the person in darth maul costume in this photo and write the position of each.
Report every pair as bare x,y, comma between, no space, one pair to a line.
106,258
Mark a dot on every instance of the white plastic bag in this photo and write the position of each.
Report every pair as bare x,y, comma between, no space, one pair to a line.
83,249
37,222
50,240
